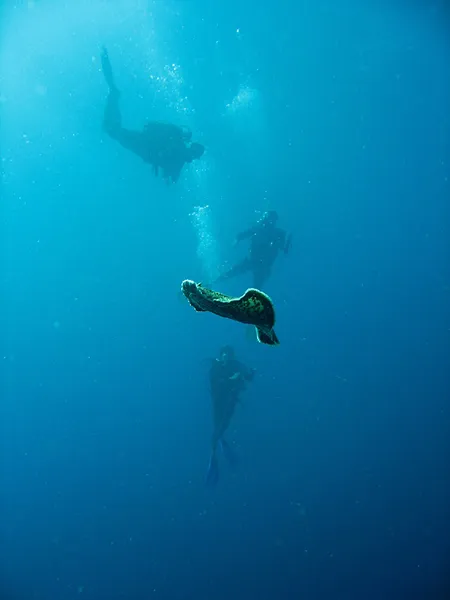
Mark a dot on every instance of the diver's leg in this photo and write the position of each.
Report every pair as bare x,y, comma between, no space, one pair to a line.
239,269
112,125
219,419
229,411
228,452
212,474
223,408
224,420
112,119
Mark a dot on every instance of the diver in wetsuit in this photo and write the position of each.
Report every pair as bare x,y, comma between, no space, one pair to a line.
266,242
163,145
228,377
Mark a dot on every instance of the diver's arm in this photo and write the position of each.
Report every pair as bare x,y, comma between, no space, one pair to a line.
281,240
235,376
245,372
246,234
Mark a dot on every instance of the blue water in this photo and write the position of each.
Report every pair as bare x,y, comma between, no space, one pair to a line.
336,114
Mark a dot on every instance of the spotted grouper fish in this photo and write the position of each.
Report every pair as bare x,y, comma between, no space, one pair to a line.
252,308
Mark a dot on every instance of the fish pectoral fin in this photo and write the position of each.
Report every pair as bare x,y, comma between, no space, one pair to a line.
267,336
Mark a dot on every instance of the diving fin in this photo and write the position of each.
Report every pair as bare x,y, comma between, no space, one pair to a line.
229,454
107,70
287,246
212,476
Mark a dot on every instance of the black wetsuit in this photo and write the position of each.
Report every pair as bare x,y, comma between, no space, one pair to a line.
227,381
266,242
162,145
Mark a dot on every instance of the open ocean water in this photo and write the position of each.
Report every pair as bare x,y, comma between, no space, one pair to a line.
336,114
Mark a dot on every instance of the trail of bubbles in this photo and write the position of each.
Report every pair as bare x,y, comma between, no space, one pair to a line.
165,75
207,249
247,98
169,83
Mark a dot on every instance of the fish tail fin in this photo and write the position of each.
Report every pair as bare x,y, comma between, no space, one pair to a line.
212,475
229,454
267,336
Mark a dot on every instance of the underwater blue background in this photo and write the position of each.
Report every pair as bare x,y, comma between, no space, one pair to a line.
336,114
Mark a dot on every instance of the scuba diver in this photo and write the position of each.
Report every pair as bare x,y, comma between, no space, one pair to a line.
228,377
163,145
266,241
